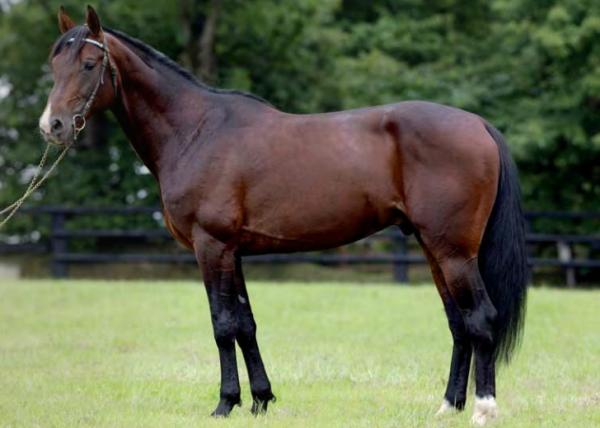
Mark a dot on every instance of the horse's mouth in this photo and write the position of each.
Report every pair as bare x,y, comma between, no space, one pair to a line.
51,139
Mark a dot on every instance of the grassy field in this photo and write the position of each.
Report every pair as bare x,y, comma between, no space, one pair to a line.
142,355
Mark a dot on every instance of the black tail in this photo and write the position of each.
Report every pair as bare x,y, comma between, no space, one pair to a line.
503,256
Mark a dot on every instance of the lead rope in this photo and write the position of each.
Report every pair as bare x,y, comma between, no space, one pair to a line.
34,184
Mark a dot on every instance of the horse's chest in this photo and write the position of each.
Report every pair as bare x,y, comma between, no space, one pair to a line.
216,209
180,236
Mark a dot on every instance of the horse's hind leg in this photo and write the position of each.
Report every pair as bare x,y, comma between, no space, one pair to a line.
479,315
456,390
461,273
246,338
452,240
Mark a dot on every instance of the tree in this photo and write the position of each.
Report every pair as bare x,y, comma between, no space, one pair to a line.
200,28
530,67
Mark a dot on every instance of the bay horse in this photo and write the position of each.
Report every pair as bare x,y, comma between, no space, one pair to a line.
239,177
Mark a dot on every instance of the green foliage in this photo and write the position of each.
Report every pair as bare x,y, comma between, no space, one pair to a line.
530,67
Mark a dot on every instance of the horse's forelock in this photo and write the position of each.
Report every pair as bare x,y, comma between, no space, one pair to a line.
78,34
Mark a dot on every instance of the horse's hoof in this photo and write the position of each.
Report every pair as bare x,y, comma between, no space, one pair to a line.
485,410
224,407
220,412
446,408
259,407
261,402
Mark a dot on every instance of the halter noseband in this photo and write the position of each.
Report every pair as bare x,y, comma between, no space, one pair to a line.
80,117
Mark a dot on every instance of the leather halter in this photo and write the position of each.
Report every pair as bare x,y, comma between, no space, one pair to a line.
79,118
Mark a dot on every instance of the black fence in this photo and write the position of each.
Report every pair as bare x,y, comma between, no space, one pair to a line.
59,244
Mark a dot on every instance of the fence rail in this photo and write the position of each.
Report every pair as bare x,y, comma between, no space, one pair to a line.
61,237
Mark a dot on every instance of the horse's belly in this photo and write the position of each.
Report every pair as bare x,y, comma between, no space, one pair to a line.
259,241
317,199
316,221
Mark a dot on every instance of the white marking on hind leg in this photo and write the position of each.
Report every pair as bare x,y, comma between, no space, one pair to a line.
45,119
485,410
446,408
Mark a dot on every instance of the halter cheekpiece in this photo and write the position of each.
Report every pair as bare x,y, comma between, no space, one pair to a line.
79,118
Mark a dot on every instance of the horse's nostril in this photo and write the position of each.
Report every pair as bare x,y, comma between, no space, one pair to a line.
56,125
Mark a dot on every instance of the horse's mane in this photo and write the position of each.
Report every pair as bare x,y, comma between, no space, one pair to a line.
147,53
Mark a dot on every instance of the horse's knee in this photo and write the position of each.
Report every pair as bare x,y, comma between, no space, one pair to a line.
246,329
225,327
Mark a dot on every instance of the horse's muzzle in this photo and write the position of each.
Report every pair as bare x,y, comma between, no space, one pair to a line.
57,140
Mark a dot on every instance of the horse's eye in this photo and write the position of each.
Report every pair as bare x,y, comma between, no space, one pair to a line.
88,65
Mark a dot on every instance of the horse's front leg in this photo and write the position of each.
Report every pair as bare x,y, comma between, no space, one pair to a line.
246,338
217,262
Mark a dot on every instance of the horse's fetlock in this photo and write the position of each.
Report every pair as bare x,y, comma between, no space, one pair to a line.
232,397
262,390
261,399
457,400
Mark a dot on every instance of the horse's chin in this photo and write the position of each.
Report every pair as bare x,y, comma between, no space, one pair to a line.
50,139
57,143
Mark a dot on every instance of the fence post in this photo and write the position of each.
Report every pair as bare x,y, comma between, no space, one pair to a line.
59,245
529,250
400,267
565,255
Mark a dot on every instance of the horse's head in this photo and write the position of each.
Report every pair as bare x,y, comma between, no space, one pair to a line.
84,78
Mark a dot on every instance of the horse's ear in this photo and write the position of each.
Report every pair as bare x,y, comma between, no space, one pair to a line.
92,21
64,22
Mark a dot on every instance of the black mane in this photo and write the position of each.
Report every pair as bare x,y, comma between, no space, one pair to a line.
148,55
152,54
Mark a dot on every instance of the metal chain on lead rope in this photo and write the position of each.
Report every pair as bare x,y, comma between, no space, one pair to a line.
78,126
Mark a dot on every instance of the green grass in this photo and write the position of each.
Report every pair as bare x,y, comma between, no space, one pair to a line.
127,354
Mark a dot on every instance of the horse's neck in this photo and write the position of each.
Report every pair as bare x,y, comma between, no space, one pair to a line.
158,111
